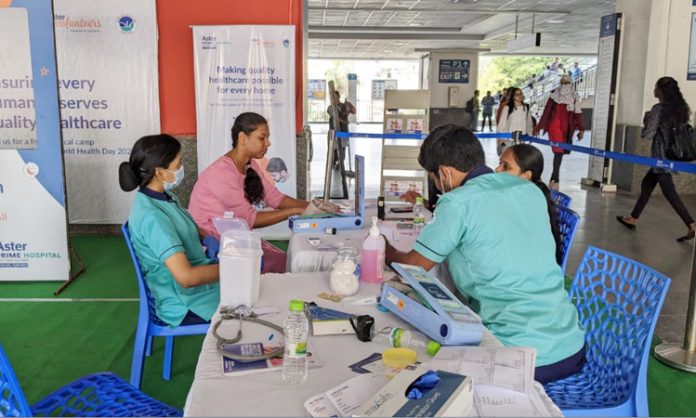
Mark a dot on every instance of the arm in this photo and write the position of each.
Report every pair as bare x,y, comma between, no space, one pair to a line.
350,109
392,255
267,218
188,276
289,202
651,123
503,121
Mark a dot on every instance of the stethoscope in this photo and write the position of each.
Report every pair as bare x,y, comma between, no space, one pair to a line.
242,314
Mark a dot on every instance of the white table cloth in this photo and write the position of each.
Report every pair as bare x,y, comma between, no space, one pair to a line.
265,394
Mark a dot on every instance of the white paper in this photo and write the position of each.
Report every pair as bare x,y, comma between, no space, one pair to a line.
494,401
507,367
346,398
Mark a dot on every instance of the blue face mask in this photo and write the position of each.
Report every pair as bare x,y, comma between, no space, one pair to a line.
178,178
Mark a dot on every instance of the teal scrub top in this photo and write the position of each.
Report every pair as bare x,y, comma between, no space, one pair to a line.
160,227
495,234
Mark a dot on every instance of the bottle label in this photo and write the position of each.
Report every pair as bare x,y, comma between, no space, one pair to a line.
419,220
296,350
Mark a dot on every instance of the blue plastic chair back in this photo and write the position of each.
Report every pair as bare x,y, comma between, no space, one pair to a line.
101,395
12,400
147,303
560,198
568,222
619,301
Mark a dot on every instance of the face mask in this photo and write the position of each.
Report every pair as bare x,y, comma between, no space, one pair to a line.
442,184
178,178
565,88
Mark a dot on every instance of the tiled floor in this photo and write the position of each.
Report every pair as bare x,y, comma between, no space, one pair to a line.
652,243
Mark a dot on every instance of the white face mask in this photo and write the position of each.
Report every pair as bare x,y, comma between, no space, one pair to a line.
442,184
178,178
565,89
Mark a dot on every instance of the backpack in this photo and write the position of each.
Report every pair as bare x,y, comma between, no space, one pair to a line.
470,105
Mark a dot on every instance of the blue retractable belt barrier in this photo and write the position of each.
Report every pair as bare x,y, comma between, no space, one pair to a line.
629,158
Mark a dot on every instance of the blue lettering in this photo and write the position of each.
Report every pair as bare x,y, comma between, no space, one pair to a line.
13,246
2,189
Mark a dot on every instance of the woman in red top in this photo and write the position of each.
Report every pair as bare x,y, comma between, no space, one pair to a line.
562,117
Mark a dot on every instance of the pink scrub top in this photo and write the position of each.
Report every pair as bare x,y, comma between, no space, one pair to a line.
219,189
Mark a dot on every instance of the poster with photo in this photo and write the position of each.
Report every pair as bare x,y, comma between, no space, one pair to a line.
396,188
415,126
394,125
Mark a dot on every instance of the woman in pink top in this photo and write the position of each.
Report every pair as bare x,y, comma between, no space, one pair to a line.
234,182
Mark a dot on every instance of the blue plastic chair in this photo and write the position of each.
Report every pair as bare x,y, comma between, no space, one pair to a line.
560,198
94,395
568,222
618,301
149,325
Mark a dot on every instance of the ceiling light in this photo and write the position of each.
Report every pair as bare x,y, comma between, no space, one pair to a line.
555,21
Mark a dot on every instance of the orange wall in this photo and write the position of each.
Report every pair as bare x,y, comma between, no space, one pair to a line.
177,95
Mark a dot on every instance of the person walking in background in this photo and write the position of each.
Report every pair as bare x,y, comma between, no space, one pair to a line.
670,111
503,102
561,118
345,109
487,104
575,72
472,107
515,119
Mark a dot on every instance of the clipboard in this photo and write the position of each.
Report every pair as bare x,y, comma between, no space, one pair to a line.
441,316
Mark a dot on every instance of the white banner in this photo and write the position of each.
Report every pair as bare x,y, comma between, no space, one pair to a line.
245,69
17,118
33,224
109,97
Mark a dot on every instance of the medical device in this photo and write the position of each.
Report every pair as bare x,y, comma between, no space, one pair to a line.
437,313
324,221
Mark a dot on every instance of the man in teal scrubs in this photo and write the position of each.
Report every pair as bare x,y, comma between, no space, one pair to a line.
493,231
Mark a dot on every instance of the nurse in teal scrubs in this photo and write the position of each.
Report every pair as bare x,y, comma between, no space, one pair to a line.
493,231
182,280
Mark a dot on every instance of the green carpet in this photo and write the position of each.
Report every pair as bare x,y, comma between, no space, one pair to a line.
53,343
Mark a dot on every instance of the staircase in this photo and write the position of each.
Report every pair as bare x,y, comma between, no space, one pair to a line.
584,86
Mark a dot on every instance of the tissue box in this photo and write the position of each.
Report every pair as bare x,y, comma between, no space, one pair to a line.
452,397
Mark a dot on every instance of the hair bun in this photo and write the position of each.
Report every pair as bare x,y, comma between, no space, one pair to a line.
127,178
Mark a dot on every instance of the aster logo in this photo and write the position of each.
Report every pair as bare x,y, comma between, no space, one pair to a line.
126,24
286,43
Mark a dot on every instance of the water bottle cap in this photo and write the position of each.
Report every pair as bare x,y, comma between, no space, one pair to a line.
419,199
433,347
296,305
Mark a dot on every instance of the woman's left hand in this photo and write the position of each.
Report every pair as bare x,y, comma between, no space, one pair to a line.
580,135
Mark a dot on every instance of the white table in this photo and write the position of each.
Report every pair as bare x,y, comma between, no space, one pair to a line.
265,394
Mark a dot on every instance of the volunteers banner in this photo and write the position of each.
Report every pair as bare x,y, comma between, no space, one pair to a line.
33,224
246,69
107,63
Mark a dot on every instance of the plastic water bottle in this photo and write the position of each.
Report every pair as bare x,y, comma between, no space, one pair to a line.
418,214
372,255
404,338
296,332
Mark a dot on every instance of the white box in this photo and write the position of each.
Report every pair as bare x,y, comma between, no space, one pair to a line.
452,397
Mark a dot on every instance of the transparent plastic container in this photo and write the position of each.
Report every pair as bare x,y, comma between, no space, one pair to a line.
228,221
240,264
344,278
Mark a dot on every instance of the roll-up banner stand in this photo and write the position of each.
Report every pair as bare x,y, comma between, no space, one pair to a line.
240,68
605,99
33,221
109,97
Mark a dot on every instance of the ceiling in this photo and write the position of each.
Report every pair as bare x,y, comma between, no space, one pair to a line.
392,29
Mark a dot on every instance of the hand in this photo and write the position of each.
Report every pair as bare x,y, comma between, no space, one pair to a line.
212,247
410,197
580,135
535,132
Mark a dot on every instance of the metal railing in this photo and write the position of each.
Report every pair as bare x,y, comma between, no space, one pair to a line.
537,97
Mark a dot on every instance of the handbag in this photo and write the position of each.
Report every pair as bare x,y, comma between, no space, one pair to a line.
681,143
